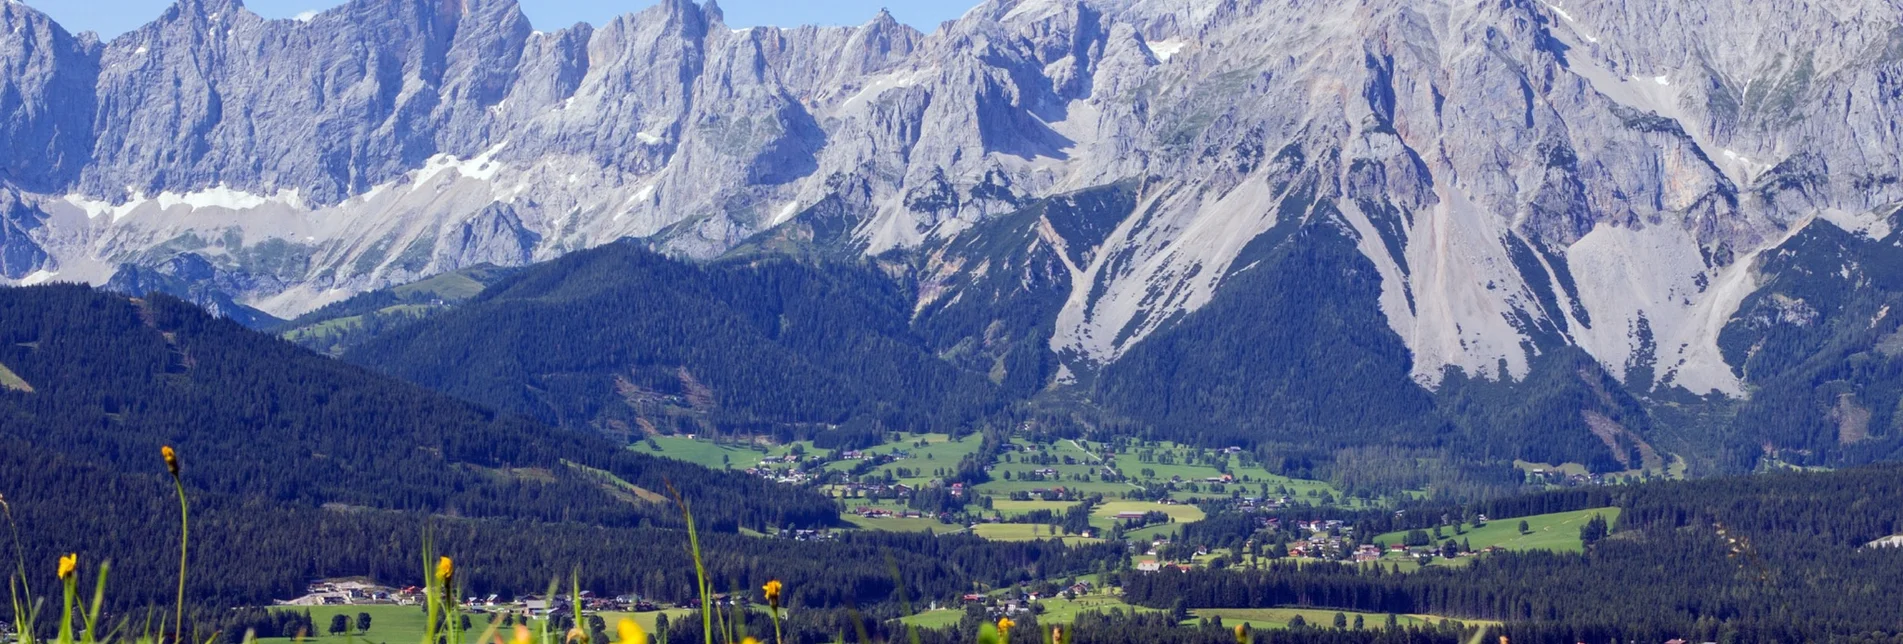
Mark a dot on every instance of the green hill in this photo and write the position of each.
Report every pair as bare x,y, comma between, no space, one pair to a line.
334,328
1556,532
304,466
625,341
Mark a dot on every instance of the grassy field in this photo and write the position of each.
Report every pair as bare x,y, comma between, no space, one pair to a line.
404,624
1181,513
890,524
940,618
940,452
1065,611
1022,532
12,381
1151,533
895,524
1009,508
1021,462
714,455
1558,532
1251,479
646,620
1275,618
388,624
454,286
1056,611
1675,469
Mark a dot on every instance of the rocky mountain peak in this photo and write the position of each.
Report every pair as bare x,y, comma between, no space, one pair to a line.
1520,177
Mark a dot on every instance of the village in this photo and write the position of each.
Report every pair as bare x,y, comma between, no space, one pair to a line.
363,592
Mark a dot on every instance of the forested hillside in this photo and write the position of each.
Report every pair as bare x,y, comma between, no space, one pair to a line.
1775,557
278,443
333,328
1292,357
625,341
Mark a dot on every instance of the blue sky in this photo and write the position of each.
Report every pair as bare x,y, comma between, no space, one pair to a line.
113,17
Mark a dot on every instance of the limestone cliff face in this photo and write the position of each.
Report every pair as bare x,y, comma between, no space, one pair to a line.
1520,174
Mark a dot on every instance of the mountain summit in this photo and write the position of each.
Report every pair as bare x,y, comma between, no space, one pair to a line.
1516,179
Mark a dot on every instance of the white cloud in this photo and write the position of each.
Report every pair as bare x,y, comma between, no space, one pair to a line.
306,16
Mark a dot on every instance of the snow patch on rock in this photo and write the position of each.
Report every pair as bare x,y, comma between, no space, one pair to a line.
224,197
1166,49
41,276
96,207
483,167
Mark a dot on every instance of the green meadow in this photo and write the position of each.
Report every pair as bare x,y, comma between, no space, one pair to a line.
1557,532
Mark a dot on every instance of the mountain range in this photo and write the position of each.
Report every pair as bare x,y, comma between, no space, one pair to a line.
1591,231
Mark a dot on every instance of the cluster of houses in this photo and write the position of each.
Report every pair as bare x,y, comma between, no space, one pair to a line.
1021,603
882,513
1321,545
352,592
1152,565
1557,477
790,476
357,592
875,490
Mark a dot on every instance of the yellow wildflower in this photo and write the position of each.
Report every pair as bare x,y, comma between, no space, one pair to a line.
1242,634
445,570
1004,627
171,460
772,589
67,565
631,632
750,641
521,635
575,634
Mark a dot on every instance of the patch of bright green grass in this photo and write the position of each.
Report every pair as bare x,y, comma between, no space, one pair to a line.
451,287
388,624
1024,532
1064,611
933,619
13,382
1557,532
1056,611
1009,508
940,452
714,455
1181,513
1151,533
1194,465
1278,618
647,619
404,624
895,524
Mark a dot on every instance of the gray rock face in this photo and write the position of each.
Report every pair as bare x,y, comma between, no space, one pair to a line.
46,95
1520,173
20,257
